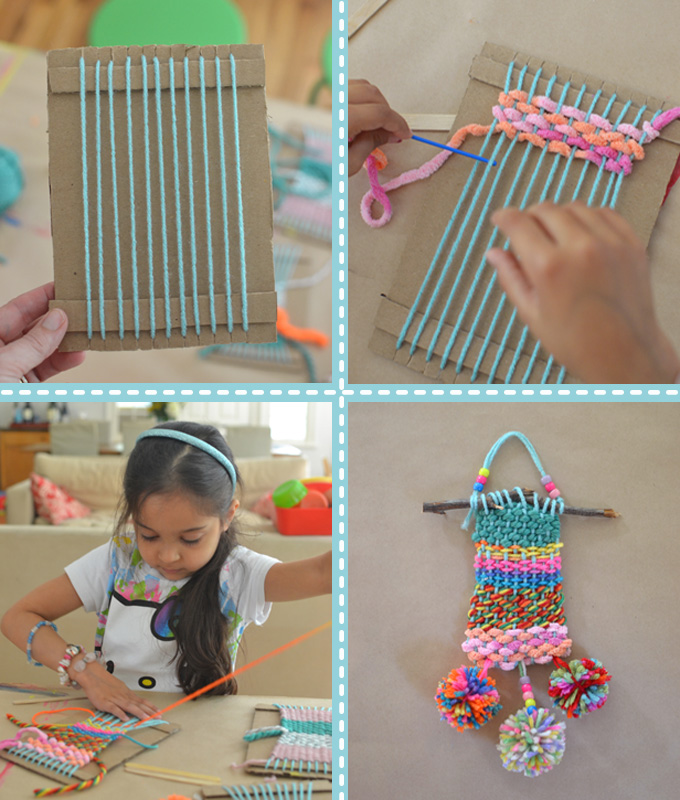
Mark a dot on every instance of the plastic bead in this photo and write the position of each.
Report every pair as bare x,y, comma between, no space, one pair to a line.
478,487
555,494
546,479
484,472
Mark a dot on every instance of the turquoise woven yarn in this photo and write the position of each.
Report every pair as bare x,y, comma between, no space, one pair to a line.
11,178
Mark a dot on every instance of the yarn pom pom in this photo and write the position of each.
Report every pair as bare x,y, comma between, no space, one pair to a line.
467,698
579,687
531,742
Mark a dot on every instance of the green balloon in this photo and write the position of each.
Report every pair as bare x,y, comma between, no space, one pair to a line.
145,22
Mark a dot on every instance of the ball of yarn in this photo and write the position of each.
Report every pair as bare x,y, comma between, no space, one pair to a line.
531,742
579,687
467,698
11,178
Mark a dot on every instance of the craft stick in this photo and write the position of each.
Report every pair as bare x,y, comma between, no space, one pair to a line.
61,699
176,775
430,122
452,149
363,14
464,503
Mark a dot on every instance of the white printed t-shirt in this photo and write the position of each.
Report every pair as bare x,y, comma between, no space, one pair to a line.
135,605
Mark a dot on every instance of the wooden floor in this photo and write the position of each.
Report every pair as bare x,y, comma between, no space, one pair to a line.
292,32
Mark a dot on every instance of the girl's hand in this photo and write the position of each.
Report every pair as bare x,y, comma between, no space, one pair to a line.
108,693
29,337
370,123
579,278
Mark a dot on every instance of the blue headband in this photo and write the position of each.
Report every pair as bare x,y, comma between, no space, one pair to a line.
194,441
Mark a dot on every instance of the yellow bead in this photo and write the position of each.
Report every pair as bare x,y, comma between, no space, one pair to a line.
484,471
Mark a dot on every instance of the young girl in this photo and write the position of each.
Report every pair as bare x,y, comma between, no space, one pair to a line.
175,593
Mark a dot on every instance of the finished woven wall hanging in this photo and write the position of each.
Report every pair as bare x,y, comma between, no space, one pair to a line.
161,196
516,619
555,135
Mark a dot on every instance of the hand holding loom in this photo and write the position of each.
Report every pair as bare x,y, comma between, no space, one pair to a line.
29,338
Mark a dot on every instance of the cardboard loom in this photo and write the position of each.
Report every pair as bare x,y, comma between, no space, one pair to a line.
321,788
193,198
115,754
639,202
267,716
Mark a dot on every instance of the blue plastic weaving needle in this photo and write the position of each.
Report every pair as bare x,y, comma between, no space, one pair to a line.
452,149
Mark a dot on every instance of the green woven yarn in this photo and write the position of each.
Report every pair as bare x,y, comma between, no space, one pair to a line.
11,178
517,524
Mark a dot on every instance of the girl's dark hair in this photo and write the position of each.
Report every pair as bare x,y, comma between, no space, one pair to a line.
160,466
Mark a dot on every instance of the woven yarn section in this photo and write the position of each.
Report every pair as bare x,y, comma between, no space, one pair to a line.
516,612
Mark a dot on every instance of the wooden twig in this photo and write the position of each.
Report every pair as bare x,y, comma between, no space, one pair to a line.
453,505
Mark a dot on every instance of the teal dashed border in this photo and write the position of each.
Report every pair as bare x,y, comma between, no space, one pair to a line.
321,393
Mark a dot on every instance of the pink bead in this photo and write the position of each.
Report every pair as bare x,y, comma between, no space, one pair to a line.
549,486
481,479
555,494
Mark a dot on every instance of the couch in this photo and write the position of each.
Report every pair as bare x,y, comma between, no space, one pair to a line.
32,551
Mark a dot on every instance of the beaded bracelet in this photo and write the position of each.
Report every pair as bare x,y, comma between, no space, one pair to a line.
34,630
62,670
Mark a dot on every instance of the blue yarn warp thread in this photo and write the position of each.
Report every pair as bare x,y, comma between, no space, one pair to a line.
11,178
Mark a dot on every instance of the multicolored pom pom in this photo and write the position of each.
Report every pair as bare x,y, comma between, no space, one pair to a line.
531,742
467,698
579,687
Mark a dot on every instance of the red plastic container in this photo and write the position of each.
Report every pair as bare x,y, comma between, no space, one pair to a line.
306,521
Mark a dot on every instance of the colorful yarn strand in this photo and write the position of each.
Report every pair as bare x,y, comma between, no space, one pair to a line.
564,130
71,746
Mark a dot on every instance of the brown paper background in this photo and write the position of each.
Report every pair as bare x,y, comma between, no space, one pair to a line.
419,55
412,577
67,197
640,197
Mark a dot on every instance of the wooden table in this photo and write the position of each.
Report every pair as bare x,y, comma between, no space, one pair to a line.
209,742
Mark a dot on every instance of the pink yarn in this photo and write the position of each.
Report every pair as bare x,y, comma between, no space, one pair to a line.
379,193
530,125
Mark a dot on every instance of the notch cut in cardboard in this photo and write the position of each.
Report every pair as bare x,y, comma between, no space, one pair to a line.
161,197
506,354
